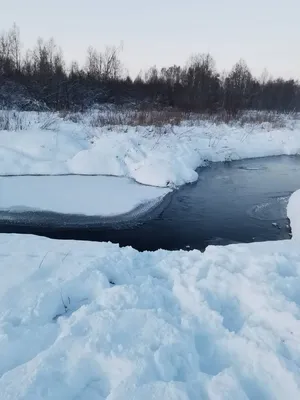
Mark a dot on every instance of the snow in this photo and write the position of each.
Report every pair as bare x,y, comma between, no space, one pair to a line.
82,320
293,213
88,195
152,157
45,144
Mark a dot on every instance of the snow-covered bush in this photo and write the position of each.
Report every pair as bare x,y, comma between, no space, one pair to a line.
13,121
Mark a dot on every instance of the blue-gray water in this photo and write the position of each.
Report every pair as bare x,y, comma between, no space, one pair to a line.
241,201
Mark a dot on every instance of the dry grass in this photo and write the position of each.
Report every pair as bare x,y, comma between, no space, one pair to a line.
48,122
266,119
13,121
161,120
138,118
167,117
75,117
274,119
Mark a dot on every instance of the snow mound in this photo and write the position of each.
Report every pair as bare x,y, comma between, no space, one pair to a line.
53,146
83,320
174,157
293,212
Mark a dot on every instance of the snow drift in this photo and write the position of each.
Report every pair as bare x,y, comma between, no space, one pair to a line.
53,146
83,320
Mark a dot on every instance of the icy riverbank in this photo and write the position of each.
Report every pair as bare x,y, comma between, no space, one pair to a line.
158,157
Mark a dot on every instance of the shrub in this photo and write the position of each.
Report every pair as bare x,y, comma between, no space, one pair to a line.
13,121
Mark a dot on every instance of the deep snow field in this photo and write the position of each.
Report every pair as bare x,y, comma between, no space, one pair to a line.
92,321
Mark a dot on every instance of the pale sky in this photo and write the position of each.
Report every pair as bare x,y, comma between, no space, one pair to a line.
265,33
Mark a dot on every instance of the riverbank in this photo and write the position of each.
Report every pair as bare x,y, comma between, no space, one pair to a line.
165,157
158,156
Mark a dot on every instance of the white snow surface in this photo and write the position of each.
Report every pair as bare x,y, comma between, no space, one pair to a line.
76,194
149,156
293,213
92,321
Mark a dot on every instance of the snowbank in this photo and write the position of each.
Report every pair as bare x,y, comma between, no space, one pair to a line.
150,157
89,195
83,320
93,321
293,213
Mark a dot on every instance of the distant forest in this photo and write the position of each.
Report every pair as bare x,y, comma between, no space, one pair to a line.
39,79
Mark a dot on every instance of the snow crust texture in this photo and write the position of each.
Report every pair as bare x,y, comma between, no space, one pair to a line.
92,321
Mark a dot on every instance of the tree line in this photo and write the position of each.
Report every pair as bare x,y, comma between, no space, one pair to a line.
40,78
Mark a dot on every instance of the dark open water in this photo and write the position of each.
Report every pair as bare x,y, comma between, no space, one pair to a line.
241,201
